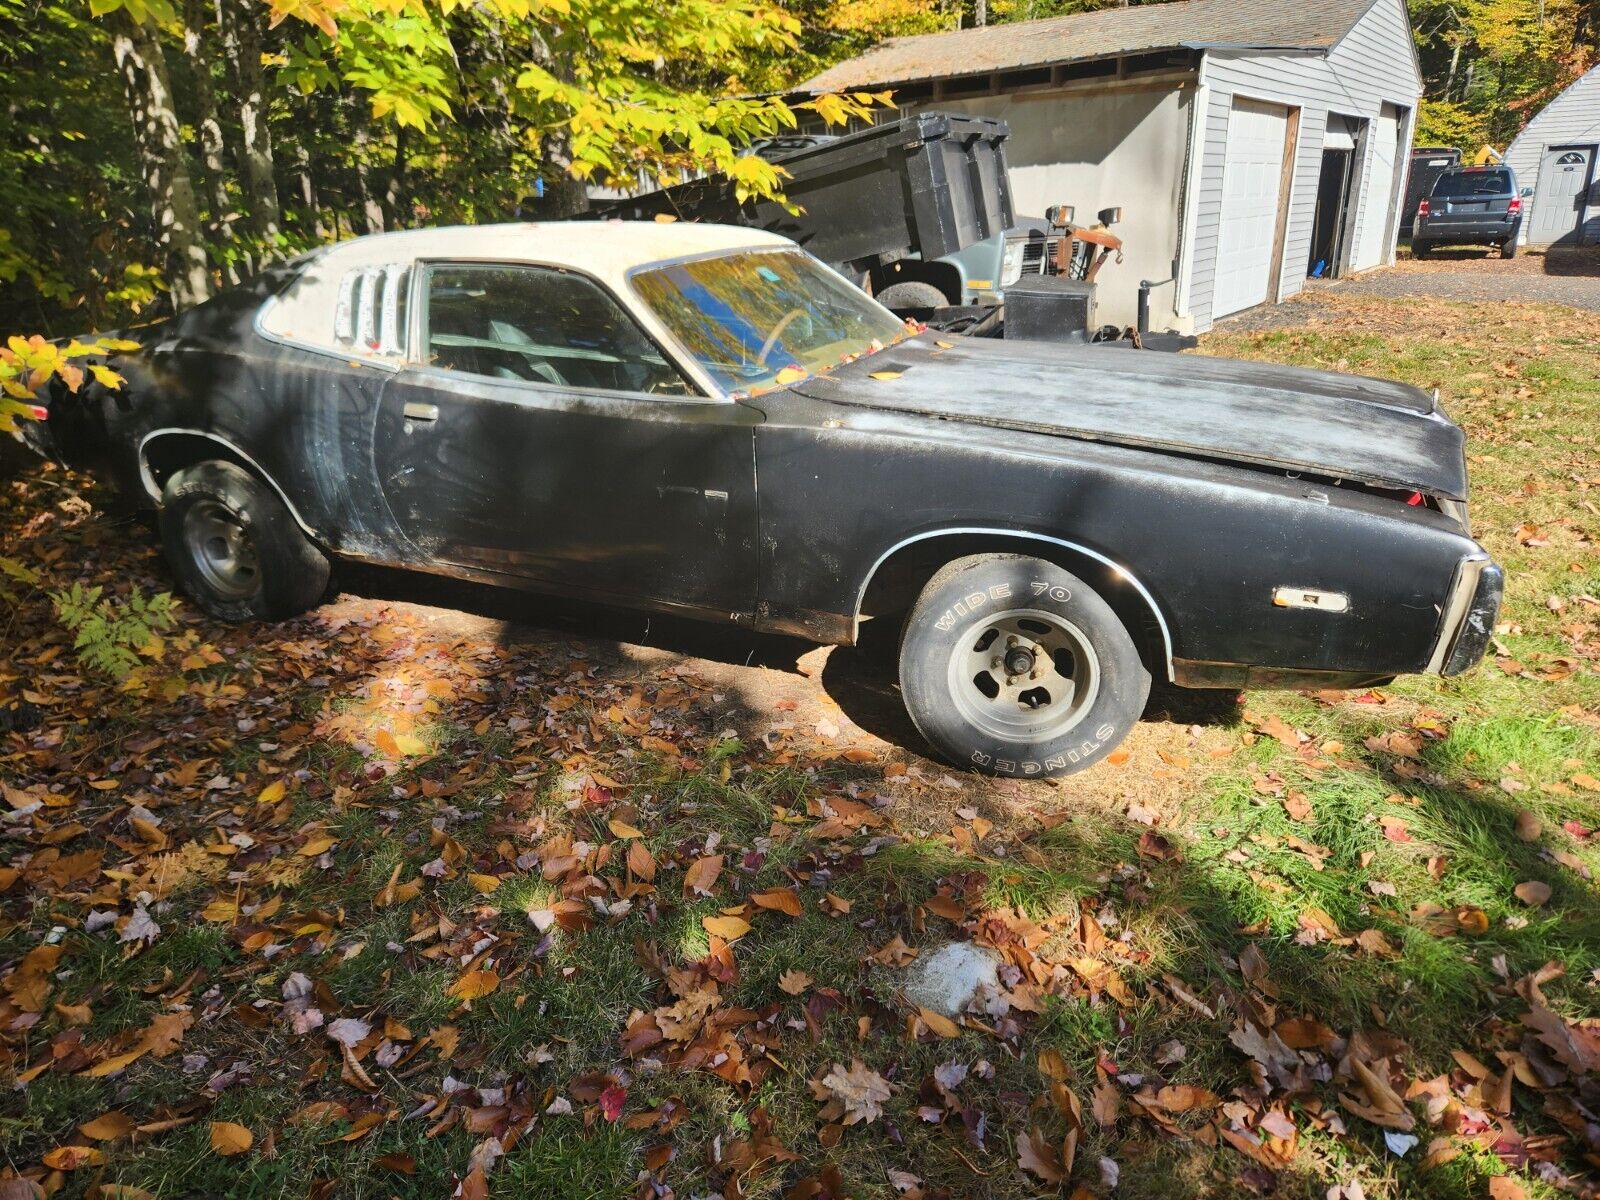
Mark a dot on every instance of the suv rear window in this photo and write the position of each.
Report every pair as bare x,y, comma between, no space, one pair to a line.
1473,183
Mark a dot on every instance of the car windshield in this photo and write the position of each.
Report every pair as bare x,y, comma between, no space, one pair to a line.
1473,183
758,318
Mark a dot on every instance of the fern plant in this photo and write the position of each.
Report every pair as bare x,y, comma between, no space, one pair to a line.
109,634
14,572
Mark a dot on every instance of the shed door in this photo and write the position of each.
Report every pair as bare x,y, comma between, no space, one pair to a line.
1377,201
1251,174
1563,189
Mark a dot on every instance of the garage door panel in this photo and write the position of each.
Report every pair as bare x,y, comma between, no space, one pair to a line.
1251,175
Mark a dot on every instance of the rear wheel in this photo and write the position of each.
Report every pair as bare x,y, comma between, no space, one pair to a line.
235,547
1420,248
1013,666
911,294
1508,248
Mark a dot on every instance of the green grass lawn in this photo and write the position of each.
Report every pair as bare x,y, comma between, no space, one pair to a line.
425,915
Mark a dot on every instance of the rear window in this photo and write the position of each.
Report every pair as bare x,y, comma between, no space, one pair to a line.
1473,183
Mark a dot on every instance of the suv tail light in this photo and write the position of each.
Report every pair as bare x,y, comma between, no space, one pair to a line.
1516,205
1423,209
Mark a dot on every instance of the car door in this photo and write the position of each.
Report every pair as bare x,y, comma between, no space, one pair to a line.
542,434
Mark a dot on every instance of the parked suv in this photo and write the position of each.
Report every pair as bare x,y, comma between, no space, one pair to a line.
1470,206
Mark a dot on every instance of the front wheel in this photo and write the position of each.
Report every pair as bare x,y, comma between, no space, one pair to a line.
1013,666
235,547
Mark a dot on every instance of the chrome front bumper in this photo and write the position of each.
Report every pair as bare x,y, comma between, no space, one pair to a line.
1470,612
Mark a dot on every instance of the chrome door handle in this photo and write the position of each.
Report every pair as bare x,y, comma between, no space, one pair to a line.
417,411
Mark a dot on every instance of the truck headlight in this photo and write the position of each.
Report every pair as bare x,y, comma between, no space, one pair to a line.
1011,261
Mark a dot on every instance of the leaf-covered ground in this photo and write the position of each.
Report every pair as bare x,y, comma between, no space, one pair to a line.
360,906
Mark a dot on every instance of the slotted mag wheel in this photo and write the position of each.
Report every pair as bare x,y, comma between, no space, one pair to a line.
1024,675
222,550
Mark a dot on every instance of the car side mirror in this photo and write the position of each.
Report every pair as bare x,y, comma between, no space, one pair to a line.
1527,193
1110,216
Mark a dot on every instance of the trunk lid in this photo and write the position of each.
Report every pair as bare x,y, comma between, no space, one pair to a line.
1345,426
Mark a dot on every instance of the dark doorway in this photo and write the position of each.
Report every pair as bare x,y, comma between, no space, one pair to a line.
1327,227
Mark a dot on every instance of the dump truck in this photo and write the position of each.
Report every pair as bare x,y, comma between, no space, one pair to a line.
918,212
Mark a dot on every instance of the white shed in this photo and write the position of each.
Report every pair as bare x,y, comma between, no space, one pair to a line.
1250,143
1557,163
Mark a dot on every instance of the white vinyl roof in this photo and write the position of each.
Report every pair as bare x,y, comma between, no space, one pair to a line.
607,250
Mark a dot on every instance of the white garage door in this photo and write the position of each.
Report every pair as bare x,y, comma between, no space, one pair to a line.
1378,201
1252,171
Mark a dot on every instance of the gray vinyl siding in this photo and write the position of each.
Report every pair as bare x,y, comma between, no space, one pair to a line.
1374,63
1571,119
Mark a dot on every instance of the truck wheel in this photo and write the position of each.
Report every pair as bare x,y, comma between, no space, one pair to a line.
911,294
1421,249
1010,665
1508,248
235,548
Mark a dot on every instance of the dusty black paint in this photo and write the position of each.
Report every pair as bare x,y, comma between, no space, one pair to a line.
775,511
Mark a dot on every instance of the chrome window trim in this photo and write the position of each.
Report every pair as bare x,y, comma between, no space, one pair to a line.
367,309
389,343
1077,547
1457,604
344,312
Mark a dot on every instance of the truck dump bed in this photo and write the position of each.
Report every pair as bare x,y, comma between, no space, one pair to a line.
923,186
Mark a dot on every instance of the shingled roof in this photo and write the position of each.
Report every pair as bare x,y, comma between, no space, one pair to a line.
1312,25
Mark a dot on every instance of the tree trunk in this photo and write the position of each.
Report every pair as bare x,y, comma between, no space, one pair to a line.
199,52
564,194
163,159
371,205
241,37
394,192
980,13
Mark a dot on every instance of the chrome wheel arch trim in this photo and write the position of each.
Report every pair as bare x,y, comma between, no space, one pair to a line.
148,479
1120,571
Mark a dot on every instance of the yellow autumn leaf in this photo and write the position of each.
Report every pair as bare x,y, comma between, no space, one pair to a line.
475,984
729,929
384,741
886,374
484,883
221,911
622,829
108,1126
70,1158
940,1024
228,1138
272,793
410,743
316,846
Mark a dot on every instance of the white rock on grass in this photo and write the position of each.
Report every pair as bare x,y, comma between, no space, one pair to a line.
945,980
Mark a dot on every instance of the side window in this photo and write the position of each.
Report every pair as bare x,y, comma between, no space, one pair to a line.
542,326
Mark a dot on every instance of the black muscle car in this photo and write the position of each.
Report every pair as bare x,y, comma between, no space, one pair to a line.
707,420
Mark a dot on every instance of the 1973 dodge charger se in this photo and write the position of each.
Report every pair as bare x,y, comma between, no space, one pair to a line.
707,420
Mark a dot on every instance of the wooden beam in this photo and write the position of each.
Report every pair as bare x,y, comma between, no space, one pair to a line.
1291,146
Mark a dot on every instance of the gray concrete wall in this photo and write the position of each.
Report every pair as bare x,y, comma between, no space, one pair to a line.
1095,149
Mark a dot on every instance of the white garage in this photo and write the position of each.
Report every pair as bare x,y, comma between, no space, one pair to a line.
1249,143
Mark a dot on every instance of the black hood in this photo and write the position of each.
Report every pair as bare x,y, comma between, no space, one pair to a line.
1343,426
